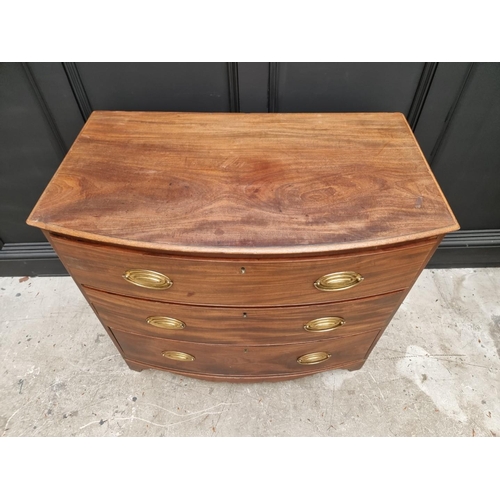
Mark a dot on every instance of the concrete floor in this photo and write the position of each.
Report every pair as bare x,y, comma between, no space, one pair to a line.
435,372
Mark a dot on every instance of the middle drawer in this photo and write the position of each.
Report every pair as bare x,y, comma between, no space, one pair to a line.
249,326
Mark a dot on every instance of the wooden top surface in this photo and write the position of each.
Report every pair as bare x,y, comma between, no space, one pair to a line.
236,183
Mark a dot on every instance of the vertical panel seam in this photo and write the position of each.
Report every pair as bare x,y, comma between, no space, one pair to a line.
421,93
49,118
234,87
273,87
78,89
450,114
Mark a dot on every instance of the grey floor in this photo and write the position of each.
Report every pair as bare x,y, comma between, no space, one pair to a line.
435,372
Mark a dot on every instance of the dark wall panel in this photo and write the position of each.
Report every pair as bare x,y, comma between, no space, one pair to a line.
56,91
31,144
444,91
253,87
454,109
467,162
347,87
156,86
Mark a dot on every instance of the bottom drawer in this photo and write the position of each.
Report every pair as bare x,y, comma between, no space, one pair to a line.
230,360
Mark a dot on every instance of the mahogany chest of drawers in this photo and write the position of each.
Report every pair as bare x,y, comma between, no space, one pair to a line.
244,247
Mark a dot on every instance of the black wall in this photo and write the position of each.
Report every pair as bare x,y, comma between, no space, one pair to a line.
453,108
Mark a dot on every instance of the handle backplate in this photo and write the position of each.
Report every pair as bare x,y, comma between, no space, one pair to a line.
166,322
324,324
148,279
178,356
335,282
313,358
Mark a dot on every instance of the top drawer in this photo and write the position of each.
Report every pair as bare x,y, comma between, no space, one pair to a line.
241,282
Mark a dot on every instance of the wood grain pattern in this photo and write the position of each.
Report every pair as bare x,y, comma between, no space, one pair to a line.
214,359
220,282
248,326
404,294
244,212
266,184
351,366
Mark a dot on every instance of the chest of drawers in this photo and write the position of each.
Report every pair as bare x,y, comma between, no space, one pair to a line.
244,247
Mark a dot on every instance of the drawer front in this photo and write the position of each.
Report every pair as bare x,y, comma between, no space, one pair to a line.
241,282
222,359
233,325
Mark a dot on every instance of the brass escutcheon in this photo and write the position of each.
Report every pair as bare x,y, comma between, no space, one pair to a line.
313,358
338,281
178,356
148,279
166,322
324,324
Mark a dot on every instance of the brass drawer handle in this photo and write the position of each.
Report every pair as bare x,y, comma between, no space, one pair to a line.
338,281
148,279
165,322
324,324
313,358
178,356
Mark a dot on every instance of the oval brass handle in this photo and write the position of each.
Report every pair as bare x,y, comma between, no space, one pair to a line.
313,358
166,322
338,281
324,324
148,279
178,356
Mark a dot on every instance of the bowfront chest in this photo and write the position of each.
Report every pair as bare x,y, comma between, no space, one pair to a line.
244,247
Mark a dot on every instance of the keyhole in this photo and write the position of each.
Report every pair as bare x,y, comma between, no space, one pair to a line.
244,315
242,270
